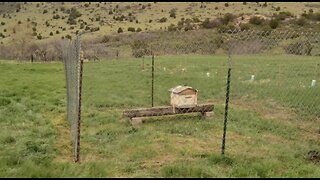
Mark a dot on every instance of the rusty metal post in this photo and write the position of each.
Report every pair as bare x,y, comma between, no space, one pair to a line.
152,81
227,105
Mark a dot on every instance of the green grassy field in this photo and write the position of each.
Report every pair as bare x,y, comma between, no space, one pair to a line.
273,124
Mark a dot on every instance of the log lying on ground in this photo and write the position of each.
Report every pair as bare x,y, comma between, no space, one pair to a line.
167,110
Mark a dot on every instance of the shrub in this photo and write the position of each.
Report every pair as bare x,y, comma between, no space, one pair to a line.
302,21
74,14
283,15
226,4
3,23
228,17
278,8
244,26
68,37
196,20
45,11
299,48
39,36
57,32
173,13
139,48
207,24
131,29
256,20
312,16
274,23
120,30
163,20
172,27
51,34
138,30
56,16
19,22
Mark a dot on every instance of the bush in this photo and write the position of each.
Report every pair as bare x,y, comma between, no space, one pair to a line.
244,26
3,23
74,14
207,24
278,8
68,37
283,15
163,20
138,30
228,17
39,36
95,29
299,48
274,23
131,29
19,22
139,48
57,32
172,27
173,13
226,4
56,16
256,20
312,16
45,11
120,30
301,21
51,34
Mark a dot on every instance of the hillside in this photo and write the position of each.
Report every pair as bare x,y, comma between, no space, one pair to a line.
35,21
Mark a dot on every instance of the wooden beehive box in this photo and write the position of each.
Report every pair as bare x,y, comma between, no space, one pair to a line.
183,97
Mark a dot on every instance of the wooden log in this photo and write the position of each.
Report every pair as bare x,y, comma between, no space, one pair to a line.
167,110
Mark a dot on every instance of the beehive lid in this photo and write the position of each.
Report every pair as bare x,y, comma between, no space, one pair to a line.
180,88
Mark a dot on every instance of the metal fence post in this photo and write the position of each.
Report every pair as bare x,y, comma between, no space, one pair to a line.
152,81
227,105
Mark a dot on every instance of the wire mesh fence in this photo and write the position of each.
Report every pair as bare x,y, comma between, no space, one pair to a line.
272,73
73,71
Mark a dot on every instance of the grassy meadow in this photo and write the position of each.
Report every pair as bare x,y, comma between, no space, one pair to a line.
273,120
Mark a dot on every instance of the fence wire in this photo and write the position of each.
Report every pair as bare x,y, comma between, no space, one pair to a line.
274,74
73,71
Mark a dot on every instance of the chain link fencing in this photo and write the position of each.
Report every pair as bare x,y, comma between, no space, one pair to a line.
272,73
73,72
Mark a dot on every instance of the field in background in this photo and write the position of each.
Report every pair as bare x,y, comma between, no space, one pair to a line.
141,11
274,120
